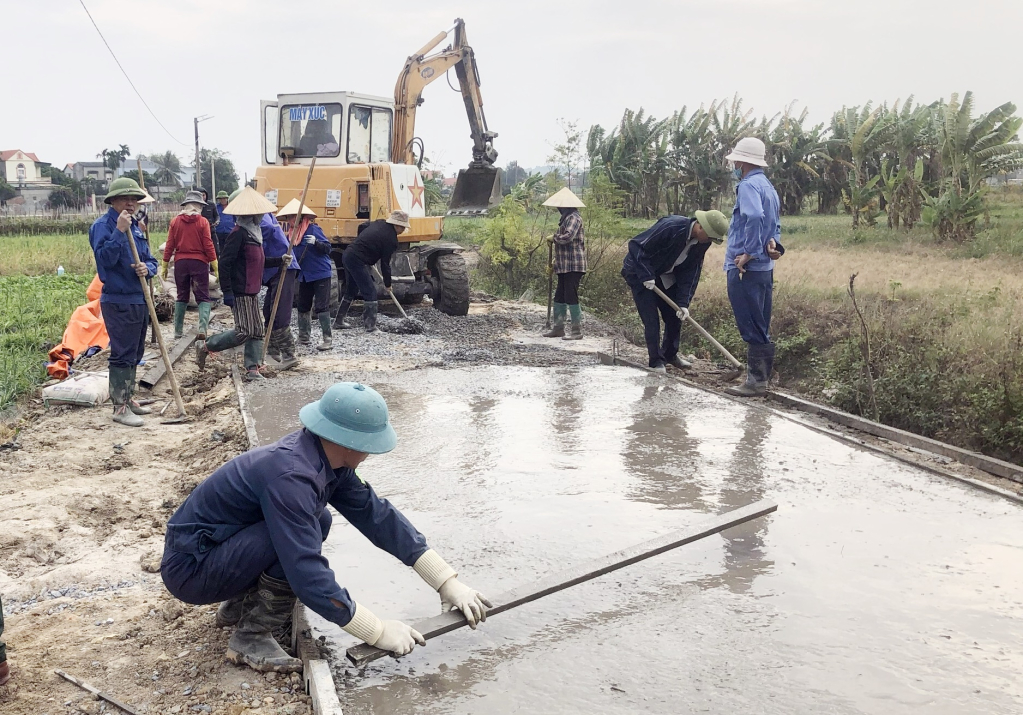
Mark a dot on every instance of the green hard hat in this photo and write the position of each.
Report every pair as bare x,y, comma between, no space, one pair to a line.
222,195
714,223
234,194
351,415
124,187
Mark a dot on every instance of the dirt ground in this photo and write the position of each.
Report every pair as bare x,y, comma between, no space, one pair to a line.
86,501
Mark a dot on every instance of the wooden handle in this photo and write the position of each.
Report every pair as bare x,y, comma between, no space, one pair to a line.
699,328
391,292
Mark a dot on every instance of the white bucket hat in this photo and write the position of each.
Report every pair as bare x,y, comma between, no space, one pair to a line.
749,150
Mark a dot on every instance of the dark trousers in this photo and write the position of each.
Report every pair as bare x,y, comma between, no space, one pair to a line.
126,325
568,287
358,279
191,274
652,309
3,646
310,291
229,568
750,297
283,317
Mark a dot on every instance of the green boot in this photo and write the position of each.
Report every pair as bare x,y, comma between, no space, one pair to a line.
267,607
204,320
327,342
369,315
179,319
305,328
253,353
577,323
120,395
558,328
133,405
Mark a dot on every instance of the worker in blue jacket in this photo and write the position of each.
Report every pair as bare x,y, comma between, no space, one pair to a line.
226,223
669,255
123,304
281,345
313,255
250,534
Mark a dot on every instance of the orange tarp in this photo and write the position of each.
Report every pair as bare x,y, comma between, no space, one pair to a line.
84,330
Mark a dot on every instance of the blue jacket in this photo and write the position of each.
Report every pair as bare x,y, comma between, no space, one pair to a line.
655,251
755,221
288,484
226,224
275,245
114,259
314,259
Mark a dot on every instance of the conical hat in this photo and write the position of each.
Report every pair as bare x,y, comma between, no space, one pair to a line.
148,200
291,208
564,199
249,203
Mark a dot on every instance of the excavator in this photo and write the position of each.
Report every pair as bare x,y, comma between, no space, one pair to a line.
368,163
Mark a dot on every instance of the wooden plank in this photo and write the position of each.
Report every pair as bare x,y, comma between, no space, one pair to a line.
156,373
452,620
98,694
243,407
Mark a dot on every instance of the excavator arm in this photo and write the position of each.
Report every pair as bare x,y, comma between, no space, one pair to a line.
477,188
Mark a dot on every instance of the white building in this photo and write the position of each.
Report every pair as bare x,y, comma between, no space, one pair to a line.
22,168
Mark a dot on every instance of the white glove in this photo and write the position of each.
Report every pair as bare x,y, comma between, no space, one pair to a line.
392,636
456,596
309,238
682,313
649,285
286,259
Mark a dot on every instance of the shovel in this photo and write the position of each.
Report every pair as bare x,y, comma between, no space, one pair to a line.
710,338
391,293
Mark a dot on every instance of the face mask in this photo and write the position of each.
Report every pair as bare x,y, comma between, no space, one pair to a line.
737,173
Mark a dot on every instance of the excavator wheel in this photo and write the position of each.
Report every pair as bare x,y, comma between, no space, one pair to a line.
451,281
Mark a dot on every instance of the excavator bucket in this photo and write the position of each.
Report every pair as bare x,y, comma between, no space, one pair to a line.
477,190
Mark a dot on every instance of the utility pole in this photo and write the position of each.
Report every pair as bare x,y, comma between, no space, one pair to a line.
198,169
213,178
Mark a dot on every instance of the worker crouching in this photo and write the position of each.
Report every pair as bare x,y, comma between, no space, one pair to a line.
569,246
313,256
190,244
376,243
123,302
250,535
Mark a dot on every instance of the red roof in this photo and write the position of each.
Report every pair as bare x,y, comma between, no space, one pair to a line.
6,155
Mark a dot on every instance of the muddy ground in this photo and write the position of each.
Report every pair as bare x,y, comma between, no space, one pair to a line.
85,502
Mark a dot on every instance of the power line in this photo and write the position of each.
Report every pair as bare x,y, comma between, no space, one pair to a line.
151,112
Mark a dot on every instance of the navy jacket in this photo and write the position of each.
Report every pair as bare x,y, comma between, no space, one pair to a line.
377,242
114,259
226,224
314,259
655,251
287,484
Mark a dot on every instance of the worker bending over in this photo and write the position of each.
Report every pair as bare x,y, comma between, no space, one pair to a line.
313,256
377,242
569,263
669,255
123,302
190,245
250,535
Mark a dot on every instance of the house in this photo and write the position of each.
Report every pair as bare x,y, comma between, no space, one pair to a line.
95,170
20,168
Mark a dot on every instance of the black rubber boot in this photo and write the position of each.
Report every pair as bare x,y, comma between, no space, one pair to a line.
305,328
759,359
327,342
680,363
253,644
369,315
284,343
120,395
342,312
133,405
230,611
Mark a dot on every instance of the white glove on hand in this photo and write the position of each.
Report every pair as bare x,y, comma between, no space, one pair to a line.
392,636
649,285
682,313
286,259
309,238
456,596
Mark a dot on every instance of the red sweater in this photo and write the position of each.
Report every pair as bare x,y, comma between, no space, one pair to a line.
189,237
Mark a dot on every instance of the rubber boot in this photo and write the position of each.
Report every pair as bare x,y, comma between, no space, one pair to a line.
253,352
342,312
369,315
179,319
204,320
273,346
285,344
759,360
305,328
5,673
253,644
229,612
327,342
577,323
120,395
558,327
133,405
680,363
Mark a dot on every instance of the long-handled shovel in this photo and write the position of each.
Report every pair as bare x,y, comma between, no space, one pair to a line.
182,416
710,338
391,293
142,183
291,252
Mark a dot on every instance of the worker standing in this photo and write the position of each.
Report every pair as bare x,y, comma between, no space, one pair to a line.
376,243
241,265
250,535
569,264
122,302
190,244
209,209
225,224
669,255
753,246
313,256
275,244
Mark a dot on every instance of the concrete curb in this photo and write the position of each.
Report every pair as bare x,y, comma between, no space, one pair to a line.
319,683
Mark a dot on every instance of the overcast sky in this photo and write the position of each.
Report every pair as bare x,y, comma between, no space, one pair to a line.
64,98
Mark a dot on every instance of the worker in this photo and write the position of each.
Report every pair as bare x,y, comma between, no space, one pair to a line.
190,245
669,255
753,246
313,257
569,264
123,302
377,242
225,224
209,210
275,244
5,668
241,264
250,535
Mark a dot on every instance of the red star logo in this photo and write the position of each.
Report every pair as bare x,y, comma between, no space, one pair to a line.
417,192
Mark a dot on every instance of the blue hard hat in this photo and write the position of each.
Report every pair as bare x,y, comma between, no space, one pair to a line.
351,415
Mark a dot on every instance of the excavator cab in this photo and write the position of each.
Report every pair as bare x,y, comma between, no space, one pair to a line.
477,190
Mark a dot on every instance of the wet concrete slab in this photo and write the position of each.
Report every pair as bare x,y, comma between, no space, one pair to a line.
875,588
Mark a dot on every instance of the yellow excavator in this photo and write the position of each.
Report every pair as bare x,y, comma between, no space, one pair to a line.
368,163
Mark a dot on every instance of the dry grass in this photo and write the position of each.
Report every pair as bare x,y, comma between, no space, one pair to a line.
41,255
